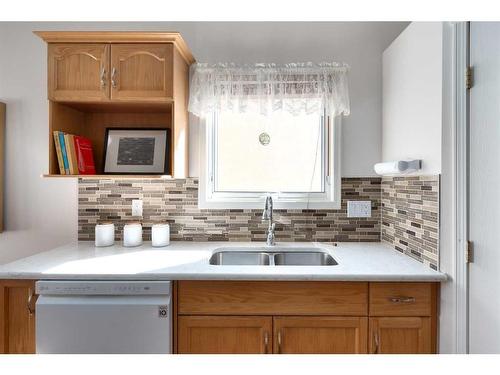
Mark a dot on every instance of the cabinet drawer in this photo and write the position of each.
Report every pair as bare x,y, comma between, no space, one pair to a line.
402,299
272,298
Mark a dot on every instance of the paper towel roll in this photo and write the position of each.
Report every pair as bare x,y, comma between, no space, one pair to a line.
397,167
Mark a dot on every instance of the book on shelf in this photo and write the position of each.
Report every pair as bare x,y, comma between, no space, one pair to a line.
84,155
60,161
74,154
64,153
70,150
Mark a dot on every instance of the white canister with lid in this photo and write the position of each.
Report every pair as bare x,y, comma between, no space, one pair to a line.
132,234
160,235
104,234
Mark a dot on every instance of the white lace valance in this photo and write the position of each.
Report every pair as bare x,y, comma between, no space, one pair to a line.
296,88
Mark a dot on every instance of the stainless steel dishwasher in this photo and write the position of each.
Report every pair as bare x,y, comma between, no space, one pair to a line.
103,317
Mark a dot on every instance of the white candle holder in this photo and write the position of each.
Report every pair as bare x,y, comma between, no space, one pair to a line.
104,234
132,234
160,235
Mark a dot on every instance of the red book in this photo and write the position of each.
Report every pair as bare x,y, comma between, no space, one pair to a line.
84,155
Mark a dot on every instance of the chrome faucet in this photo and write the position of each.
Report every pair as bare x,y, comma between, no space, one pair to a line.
268,215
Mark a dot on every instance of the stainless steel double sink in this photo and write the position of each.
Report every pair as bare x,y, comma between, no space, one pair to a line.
297,256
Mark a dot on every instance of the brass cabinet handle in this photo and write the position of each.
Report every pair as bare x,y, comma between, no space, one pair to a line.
279,342
31,302
266,342
402,299
377,342
103,77
113,75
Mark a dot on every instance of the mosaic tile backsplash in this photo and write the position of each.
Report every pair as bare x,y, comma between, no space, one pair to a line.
176,202
410,216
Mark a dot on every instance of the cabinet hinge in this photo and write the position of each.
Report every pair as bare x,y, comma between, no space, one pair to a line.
469,77
469,252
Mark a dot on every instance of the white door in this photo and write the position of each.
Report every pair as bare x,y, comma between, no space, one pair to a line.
484,183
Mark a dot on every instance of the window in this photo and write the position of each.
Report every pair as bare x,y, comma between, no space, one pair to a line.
294,158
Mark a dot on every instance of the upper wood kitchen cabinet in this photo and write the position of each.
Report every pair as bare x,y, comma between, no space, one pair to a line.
78,71
131,79
17,316
141,71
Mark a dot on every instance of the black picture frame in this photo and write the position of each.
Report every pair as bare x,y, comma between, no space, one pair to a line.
168,140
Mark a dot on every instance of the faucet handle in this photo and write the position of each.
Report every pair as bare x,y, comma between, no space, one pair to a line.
267,208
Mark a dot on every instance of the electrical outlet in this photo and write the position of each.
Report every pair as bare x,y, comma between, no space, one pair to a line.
136,207
359,208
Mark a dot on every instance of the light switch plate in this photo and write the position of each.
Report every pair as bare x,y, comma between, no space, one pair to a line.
359,208
136,207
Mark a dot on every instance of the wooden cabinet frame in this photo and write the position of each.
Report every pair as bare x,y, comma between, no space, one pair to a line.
17,316
394,335
314,334
78,72
268,328
225,334
367,312
167,56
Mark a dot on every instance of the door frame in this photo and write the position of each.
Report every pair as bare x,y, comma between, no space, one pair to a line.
460,188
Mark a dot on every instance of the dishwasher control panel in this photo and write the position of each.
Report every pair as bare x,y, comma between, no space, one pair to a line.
111,288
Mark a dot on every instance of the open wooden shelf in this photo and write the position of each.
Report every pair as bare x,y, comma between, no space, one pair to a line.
92,122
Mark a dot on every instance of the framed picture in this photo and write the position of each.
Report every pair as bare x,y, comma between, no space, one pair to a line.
137,151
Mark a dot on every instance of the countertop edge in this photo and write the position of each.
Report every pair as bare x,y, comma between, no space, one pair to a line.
230,277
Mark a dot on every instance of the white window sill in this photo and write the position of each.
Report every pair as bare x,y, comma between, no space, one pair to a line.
277,205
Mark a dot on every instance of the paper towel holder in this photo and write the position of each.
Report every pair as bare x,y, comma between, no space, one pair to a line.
398,167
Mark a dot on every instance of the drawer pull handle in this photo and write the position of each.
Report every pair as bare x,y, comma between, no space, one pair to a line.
103,78
113,77
266,343
402,299
279,342
377,343
31,302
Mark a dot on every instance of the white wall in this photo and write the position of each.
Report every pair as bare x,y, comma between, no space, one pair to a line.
42,213
412,96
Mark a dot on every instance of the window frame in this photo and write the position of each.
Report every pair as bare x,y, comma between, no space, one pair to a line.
209,198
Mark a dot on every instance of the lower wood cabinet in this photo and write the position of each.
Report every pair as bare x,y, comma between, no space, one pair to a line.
320,335
265,335
224,334
17,316
254,317
292,317
401,335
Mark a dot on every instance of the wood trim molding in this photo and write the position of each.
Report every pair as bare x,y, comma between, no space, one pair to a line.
119,37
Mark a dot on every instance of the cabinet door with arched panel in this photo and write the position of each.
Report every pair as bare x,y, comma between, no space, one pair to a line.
142,72
78,72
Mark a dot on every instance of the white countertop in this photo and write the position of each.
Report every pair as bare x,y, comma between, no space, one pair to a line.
373,261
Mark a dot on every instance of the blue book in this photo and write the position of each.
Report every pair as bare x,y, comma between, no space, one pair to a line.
63,152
